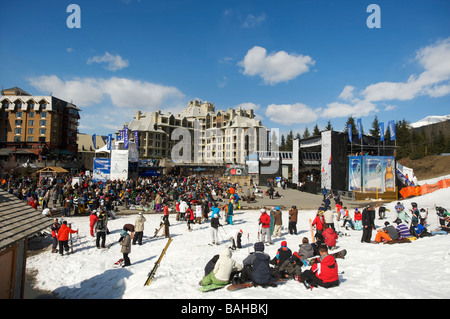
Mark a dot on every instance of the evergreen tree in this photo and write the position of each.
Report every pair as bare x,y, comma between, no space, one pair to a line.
328,127
316,131
283,143
375,130
306,133
290,141
351,121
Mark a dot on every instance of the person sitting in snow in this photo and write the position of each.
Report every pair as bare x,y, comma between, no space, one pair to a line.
323,273
330,237
224,269
291,268
283,254
256,267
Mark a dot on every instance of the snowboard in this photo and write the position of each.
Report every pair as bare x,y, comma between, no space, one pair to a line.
340,254
211,287
439,232
158,229
151,274
250,284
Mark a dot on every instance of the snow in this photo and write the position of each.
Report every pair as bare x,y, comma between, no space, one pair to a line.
432,119
420,268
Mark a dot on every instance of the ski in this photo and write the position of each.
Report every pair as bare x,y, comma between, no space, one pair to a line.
71,241
312,233
158,229
151,274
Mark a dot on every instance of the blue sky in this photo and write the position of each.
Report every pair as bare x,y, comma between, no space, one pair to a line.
297,63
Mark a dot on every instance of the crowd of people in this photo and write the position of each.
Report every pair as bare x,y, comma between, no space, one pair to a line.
199,200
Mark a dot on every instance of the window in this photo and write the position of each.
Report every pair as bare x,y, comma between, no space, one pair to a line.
42,131
17,131
17,139
43,115
30,122
18,122
30,139
31,131
43,123
19,114
31,114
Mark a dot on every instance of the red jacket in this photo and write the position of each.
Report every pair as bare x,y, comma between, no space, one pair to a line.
330,237
264,220
190,214
326,270
93,218
63,232
319,222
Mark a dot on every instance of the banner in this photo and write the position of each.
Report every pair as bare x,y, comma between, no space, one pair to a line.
108,142
94,141
120,135
391,125
359,126
354,173
119,165
101,169
136,139
125,138
381,128
350,134
378,174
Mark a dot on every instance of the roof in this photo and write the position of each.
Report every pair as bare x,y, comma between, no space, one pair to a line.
53,169
16,90
18,220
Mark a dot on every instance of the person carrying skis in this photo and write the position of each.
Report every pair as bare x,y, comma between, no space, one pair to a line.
323,273
63,237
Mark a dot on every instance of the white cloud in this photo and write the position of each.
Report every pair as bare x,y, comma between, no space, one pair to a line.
113,62
288,114
433,82
276,67
123,93
252,21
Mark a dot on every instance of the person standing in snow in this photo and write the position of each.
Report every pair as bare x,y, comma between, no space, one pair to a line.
63,237
55,227
278,222
125,243
215,229
139,229
100,229
264,221
368,224
293,217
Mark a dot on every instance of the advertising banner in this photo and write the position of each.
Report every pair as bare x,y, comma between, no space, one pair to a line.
101,169
119,164
354,173
378,173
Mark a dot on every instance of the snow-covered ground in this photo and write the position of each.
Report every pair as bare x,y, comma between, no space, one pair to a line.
419,269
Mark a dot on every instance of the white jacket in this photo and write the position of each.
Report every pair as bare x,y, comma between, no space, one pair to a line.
225,265
328,217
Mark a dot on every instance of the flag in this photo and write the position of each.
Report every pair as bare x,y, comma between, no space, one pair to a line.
94,141
381,128
120,135
136,139
125,138
359,125
350,134
391,125
108,142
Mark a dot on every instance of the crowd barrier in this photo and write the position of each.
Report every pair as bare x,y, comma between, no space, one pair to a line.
424,189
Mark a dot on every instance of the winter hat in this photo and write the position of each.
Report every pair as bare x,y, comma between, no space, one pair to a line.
262,210
283,243
259,246
277,208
